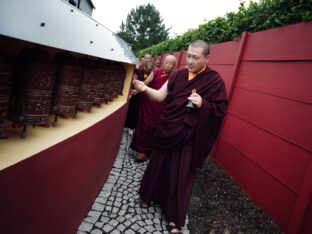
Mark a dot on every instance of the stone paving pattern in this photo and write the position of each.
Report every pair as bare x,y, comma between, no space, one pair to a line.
116,209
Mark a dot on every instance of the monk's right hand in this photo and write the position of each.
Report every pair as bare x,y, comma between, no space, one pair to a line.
139,85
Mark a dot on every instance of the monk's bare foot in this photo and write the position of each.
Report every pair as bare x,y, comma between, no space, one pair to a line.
173,228
144,204
141,157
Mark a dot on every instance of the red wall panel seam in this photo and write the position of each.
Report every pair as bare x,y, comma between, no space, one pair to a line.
273,95
236,68
272,133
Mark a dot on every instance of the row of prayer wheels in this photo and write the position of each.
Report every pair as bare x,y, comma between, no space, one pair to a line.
33,86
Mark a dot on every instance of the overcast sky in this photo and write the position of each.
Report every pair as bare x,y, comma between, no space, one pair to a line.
179,15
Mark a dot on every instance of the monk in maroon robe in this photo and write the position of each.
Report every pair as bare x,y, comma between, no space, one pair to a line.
132,114
185,135
150,111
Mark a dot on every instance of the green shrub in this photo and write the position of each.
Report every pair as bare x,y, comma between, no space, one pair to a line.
256,17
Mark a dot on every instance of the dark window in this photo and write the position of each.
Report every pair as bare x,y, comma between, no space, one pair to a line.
73,2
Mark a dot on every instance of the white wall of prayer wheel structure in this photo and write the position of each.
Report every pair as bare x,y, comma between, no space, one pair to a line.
64,84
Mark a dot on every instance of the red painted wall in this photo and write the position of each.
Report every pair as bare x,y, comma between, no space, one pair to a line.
265,143
52,191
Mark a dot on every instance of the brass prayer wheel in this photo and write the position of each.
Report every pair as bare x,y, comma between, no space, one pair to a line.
120,78
33,88
87,90
68,79
6,80
100,87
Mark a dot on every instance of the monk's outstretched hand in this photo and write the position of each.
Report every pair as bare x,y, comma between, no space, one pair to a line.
196,99
139,85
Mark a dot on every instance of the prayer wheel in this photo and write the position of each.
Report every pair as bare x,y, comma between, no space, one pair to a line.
100,87
110,82
33,88
120,78
87,90
6,80
68,79
104,72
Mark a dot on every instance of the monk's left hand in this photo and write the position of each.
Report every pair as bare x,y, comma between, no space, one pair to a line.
196,99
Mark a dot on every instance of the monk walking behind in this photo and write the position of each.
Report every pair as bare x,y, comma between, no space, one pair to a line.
196,103
150,111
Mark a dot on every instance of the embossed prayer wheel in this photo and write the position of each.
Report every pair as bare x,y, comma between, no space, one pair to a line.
120,78
107,85
100,87
87,90
68,79
114,79
33,88
6,80
110,82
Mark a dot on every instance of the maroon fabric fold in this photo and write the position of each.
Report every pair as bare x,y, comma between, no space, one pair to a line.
179,125
148,117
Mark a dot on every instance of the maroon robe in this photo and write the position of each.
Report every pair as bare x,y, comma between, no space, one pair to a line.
148,118
183,140
134,103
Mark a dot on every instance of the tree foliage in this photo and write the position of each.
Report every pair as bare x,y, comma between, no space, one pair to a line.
257,16
143,28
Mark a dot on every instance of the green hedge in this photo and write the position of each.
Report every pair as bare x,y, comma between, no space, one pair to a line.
256,17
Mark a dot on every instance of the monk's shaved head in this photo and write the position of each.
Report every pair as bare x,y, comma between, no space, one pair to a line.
171,58
201,44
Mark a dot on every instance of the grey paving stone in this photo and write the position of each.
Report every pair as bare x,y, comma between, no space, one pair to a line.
107,228
122,212
113,216
101,200
104,194
115,231
150,228
135,227
99,225
121,227
141,231
158,227
141,223
149,222
138,210
105,219
92,219
127,223
121,219
108,208
93,213
117,204
85,227
129,231
156,221
96,231
116,209
113,222
128,216
98,207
